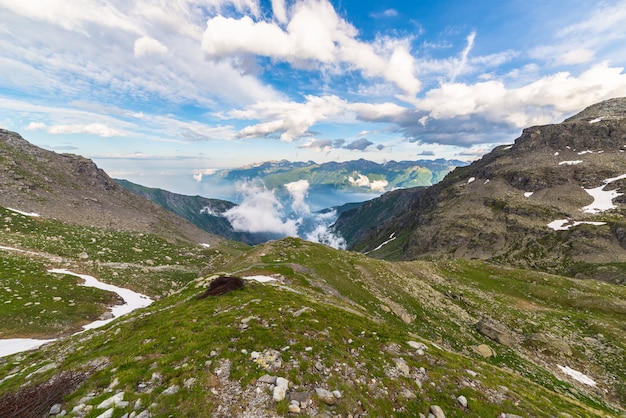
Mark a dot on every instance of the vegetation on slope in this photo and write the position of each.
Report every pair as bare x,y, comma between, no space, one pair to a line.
342,322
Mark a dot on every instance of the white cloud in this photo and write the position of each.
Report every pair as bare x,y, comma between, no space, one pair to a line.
146,46
470,44
539,102
576,56
73,17
292,120
35,126
198,174
280,12
361,180
314,33
93,129
259,211
298,191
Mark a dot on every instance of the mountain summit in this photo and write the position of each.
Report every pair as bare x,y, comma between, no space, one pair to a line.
551,200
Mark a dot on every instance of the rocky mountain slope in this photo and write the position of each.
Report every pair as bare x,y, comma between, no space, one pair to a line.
73,189
553,200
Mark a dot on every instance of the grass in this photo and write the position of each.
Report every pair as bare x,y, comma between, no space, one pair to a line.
361,314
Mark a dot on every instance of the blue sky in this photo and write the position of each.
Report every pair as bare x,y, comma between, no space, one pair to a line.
161,92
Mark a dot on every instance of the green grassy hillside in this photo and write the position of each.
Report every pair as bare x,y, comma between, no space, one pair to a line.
391,339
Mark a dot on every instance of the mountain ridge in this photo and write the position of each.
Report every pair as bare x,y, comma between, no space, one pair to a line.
501,206
73,189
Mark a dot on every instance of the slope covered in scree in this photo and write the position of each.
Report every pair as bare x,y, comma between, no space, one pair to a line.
552,200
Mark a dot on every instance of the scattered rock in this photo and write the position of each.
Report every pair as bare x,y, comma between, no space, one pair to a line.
266,378
417,345
112,401
301,397
436,412
462,400
171,390
56,409
403,367
107,414
548,342
484,350
189,382
280,390
325,396
497,332
301,311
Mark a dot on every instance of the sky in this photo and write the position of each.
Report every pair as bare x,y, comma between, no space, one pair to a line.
162,92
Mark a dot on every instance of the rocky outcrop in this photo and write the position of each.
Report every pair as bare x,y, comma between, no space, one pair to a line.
501,206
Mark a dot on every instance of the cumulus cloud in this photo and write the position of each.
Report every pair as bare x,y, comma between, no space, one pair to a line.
427,153
280,12
291,120
466,114
361,180
97,129
35,126
312,32
298,191
359,144
318,145
198,174
260,211
146,46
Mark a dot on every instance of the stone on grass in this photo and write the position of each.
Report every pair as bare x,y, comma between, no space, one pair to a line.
436,412
280,390
325,396
112,401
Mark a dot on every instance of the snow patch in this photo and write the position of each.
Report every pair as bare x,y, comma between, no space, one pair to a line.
528,194
31,214
596,120
576,375
133,300
471,179
205,245
603,199
391,238
574,162
556,153
565,224
260,279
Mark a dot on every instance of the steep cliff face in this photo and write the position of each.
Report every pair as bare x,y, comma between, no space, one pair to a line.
73,189
553,199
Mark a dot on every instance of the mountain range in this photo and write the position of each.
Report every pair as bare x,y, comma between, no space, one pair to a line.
445,308
335,183
550,201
